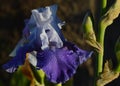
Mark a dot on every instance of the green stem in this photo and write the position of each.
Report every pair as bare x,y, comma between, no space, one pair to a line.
42,76
100,39
58,84
39,75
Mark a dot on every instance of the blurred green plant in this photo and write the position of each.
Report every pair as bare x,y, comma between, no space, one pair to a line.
18,79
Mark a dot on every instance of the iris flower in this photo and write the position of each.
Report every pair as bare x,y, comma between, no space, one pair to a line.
48,49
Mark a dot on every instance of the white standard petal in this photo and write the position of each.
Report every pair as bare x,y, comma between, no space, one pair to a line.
43,17
41,31
44,40
53,36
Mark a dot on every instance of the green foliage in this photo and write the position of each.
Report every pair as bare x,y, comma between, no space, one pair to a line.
18,79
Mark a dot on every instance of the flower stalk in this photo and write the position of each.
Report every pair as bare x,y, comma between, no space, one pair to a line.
100,39
105,21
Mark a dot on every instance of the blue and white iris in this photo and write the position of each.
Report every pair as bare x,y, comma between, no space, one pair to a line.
48,49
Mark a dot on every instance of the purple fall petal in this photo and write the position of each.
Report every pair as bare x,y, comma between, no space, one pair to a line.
18,60
61,64
83,55
13,64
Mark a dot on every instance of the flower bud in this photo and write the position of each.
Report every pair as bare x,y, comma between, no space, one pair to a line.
88,33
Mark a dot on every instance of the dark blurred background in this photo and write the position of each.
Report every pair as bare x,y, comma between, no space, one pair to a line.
14,12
